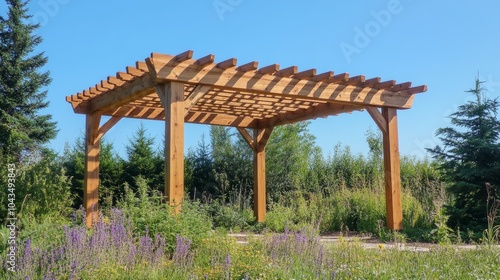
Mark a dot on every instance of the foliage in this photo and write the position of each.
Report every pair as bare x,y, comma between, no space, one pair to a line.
287,158
200,182
279,218
230,216
110,172
148,213
73,161
442,233
42,189
470,157
220,170
491,234
232,165
142,160
340,191
22,129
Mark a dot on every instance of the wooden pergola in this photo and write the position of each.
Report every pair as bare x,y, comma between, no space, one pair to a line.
178,89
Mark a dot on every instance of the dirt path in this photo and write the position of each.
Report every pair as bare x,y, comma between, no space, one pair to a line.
366,241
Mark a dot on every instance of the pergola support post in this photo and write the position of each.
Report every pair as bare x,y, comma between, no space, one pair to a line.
172,97
93,134
91,172
257,143
392,170
259,185
387,121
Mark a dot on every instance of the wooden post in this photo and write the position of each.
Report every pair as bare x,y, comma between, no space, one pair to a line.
259,184
172,97
258,144
392,170
91,172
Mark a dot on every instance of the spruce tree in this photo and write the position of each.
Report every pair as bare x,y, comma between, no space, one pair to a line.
201,164
143,161
22,129
470,159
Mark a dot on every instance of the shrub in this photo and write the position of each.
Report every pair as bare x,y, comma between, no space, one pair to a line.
42,189
279,218
229,216
148,212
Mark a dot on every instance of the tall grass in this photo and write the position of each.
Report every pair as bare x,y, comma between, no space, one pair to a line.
361,210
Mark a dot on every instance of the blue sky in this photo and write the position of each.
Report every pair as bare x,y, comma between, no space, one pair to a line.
443,44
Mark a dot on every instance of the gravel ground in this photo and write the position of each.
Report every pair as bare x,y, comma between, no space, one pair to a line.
367,242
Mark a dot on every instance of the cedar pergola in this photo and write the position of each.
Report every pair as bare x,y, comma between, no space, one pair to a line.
178,89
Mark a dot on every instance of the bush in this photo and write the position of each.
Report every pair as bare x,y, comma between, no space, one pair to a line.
230,217
42,189
279,218
147,212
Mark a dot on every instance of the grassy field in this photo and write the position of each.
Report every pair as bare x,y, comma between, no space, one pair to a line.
113,251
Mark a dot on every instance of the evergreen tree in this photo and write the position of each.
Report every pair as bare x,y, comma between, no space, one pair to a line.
200,164
22,129
73,161
470,158
142,160
110,172
110,175
222,154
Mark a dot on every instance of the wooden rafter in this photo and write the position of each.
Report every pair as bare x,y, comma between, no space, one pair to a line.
123,95
355,90
198,92
206,60
133,86
319,111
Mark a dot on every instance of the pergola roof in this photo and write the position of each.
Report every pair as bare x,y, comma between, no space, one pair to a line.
241,96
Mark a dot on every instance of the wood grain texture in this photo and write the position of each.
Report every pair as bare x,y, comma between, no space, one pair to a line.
392,170
172,96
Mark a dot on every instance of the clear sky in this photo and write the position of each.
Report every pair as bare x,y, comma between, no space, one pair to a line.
443,44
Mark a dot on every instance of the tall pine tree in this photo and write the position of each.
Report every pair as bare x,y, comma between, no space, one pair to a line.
470,158
22,129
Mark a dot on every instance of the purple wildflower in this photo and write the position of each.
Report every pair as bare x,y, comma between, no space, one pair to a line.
227,267
107,243
181,256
